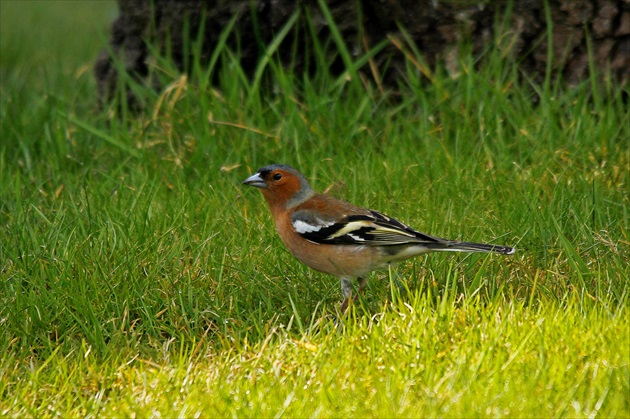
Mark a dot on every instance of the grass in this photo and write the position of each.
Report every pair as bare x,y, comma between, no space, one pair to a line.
139,278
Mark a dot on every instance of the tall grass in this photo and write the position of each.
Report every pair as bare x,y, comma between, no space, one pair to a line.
139,277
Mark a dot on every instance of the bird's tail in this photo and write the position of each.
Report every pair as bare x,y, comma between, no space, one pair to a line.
455,246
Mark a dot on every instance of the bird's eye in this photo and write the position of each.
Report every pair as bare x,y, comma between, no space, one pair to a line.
277,176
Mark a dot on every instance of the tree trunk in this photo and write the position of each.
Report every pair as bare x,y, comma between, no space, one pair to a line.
580,29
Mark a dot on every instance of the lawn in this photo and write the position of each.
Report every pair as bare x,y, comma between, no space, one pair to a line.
138,277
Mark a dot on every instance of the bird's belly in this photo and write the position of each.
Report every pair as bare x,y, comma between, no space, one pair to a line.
340,261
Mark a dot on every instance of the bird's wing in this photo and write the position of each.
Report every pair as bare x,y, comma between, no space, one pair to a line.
371,229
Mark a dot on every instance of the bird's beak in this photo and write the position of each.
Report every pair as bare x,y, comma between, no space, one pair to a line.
255,181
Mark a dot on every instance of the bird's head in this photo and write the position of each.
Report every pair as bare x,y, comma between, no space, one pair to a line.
281,185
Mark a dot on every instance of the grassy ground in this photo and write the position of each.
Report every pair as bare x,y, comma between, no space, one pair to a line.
139,278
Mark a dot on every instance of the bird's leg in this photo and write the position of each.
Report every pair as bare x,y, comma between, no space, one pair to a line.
344,305
346,289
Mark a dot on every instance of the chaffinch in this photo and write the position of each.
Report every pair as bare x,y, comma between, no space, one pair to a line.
341,239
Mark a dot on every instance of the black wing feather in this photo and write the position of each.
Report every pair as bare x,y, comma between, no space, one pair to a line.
375,229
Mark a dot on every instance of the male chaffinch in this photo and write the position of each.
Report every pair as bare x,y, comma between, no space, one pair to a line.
341,239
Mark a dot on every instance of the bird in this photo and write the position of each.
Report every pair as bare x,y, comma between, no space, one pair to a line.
341,239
